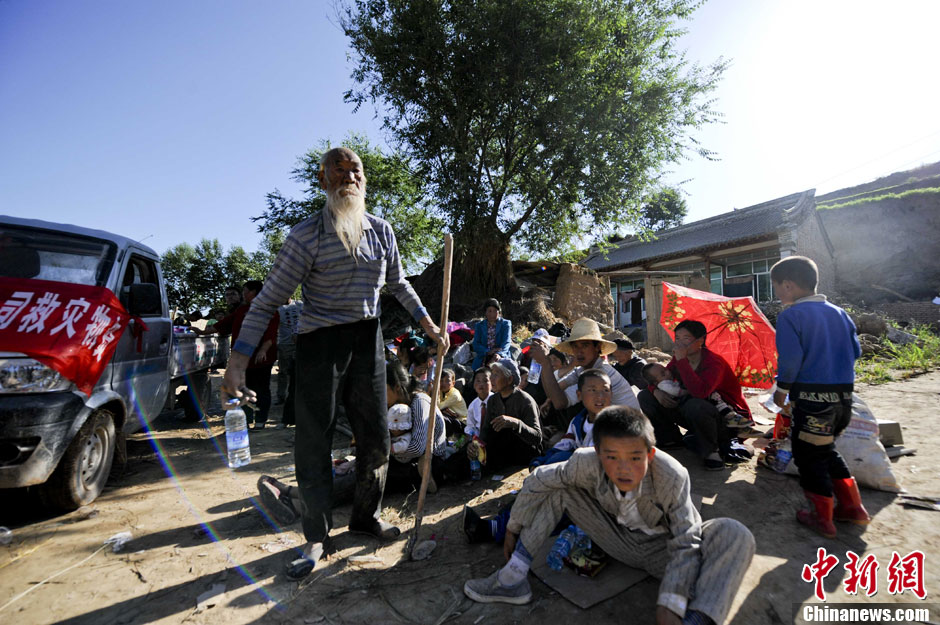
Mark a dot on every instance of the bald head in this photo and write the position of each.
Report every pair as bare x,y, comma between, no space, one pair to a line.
342,176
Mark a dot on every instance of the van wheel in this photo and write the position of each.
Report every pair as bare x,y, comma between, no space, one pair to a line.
83,470
195,399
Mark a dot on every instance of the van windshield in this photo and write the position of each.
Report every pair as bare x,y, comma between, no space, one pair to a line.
48,255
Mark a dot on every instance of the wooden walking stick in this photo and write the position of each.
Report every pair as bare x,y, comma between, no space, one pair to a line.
435,393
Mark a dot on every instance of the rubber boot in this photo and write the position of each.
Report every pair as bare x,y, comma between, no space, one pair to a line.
849,507
819,514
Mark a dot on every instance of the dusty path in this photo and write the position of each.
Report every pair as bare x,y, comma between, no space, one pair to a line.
176,482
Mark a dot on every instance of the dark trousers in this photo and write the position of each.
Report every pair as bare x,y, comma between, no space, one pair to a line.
285,368
288,415
698,416
815,428
258,379
345,361
404,476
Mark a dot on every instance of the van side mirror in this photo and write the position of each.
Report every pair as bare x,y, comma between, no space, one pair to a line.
142,299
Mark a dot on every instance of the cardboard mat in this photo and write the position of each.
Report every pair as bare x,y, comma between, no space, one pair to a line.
586,592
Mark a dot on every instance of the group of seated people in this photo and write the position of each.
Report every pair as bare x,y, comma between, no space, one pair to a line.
580,418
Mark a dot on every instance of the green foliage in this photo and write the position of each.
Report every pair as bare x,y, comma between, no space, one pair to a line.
394,191
883,196
196,277
663,209
903,361
536,120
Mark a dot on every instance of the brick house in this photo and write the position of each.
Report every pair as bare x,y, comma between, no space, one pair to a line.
730,254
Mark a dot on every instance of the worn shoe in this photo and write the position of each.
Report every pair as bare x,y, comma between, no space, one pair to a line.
818,516
476,529
304,565
849,507
254,427
376,528
489,590
713,462
276,500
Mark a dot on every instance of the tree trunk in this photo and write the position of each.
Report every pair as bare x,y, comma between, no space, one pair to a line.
482,269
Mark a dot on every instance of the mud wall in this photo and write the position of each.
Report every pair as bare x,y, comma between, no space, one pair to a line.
580,292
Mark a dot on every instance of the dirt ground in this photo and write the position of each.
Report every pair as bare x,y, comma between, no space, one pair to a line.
194,526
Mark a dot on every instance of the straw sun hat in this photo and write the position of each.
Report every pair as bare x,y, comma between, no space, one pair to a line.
585,329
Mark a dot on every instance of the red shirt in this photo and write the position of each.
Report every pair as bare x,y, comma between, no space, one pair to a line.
233,323
714,374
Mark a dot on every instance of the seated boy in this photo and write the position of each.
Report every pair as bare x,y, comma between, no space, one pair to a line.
817,346
660,377
633,501
452,405
595,394
483,388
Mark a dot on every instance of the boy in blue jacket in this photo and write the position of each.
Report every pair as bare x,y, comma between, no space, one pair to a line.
817,347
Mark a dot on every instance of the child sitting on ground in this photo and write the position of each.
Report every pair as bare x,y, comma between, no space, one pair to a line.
595,394
633,501
452,405
817,347
477,408
399,427
659,376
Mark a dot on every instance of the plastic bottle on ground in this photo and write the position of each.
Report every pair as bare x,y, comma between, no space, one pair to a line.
784,454
476,470
566,541
236,438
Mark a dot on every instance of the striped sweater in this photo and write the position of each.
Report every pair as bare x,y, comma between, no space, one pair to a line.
336,287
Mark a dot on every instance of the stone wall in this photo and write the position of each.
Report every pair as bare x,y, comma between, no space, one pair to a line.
579,292
921,313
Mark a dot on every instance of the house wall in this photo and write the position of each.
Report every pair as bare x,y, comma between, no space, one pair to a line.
811,242
893,243
580,292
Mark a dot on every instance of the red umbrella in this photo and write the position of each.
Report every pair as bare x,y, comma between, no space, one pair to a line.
737,330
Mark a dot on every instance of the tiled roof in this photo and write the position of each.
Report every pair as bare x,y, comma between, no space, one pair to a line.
753,222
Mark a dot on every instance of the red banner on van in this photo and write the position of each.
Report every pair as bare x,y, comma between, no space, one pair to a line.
73,328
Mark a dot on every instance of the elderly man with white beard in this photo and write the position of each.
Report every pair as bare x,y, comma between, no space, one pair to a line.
342,256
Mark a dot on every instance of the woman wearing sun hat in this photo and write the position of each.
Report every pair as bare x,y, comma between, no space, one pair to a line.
587,347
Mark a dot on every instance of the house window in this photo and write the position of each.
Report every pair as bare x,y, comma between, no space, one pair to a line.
755,264
714,279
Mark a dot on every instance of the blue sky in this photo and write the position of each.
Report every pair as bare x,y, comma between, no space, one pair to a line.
171,120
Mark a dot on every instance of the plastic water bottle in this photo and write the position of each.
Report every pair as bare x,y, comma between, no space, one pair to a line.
784,454
535,372
476,470
236,438
572,537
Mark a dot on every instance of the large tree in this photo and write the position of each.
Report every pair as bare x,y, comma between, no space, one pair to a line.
666,208
394,191
538,121
196,276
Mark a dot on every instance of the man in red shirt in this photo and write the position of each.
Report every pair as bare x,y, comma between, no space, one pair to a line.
701,372
258,373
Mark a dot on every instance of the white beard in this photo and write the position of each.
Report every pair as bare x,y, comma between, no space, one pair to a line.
347,212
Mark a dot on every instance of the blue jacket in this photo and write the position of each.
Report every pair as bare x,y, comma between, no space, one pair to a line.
817,346
503,332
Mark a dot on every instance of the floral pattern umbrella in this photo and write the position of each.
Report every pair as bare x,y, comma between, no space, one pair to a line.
737,330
